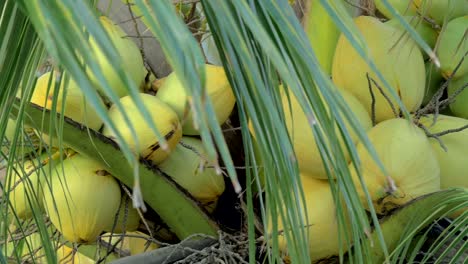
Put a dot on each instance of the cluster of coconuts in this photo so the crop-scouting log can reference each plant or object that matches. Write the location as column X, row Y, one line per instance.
column 82, row 199
column 415, row 162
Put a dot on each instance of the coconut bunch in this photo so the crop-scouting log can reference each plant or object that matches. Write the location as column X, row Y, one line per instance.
column 63, row 185
column 420, row 155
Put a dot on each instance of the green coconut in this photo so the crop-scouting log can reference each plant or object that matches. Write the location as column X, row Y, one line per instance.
column 460, row 106
column 217, row 87
column 399, row 61
column 146, row 142
column 453, row 161
column 81, row 199
column 423, row 28
column 441, row 10
column 404, row 7
column 187, row 165
column 408, row 158
column 453, row 44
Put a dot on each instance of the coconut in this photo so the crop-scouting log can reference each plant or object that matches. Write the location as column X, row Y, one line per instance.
column 453, row 44
column 126, row 218
column 75, row 107
column 81, row 199
column 27, row 182
column 407, row 155
column 132, row 242
column 27, row 142
column 322, row 223
column 164, row 118
column 217, row 88
column 130, row 58
column 404, row 7
column 460, row 106
column 441, row 10
column 453, row 161
column 66, row 254
column 423, row 28
column 398, row 60
column 187, row 165
column 305, row 147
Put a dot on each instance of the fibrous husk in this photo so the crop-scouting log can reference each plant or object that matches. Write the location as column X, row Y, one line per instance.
column 189, row 167
column 217, row 87
column 146, row 143
column 81, row 198
column 408, row 158
column 453, row 44
column 399, row 61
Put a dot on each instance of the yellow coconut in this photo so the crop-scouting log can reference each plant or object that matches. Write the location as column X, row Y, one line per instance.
column 217, row 87
column 130, row 58
column 453, row 162
column 407, row 155
column 453, row 44
column 305, row 147
column 26, row 143
column 26, row 185
column 75, row 107
column 132, row 242
column 66, row 254
column 187, row 166
column 398, row 60
column 441, row 10
column 126, row 218
column 322, row 223
column 404, row 7
column 460, row 106
column 33, row 249
column 81, row 199
column 146, row 142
